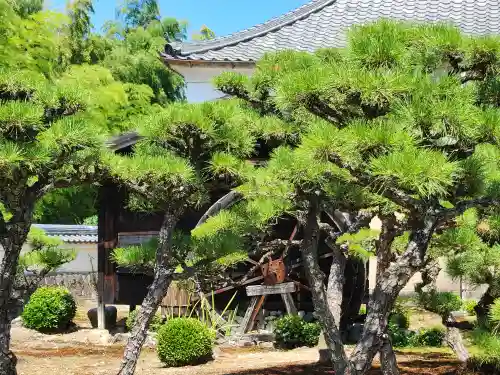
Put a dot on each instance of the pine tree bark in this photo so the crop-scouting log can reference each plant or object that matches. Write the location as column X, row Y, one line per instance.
column 392, row 276
column 482, row 308
column 13, row 235
column 453, row 337
column 316, row 280
column 335, row 286
column 164, row 270
column 388, row 361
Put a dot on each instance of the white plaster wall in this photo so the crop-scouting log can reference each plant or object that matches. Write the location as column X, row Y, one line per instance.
column 199, row 86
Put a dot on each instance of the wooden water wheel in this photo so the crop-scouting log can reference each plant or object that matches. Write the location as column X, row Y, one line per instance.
column 282, row 264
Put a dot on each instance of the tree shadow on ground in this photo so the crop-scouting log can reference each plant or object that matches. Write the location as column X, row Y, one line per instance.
column 407, row 367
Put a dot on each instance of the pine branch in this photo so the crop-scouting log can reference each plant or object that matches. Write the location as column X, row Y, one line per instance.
column 463, row 206
column 364, row 179
column 322, row 110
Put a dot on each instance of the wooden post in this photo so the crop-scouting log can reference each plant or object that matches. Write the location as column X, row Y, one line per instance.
column 248, row 314
column 289, row 304
column 101, row 258
column 106, row 242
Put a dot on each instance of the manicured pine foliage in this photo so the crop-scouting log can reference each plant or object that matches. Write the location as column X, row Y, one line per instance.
column 403, row 120
column 472, row 252
column 187, row 152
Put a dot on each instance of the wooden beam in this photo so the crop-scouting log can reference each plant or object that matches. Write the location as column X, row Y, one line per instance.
column 289, row 304
column 225, row 289
column 248, row 314
column 264, row 290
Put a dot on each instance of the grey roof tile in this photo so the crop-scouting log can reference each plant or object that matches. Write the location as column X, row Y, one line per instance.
column 71, row 233
column 322, row 23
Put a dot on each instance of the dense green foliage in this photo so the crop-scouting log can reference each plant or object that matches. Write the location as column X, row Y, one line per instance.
column 291, row 331
column 472, row 247
column 401, row 338
column 428, row 337
column 469, row 305
column 121, row 67
column 154, row 326
column 49, row 309
column 184, row 341
column 441, row 303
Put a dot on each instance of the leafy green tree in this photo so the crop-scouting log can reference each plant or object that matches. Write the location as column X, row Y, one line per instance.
column 80, row 26
column 129, row 54
column 205, row 33
column 139, row 13
column 376, row 112
column 27, row 7
column 53, row 133
column 67, row 206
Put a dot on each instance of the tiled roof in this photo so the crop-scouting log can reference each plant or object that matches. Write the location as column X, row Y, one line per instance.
column 71, row 233
column 323, row 23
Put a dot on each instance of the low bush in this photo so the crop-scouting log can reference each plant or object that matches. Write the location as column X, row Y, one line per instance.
column 400, row 319
column 400, row 337
column 292, row 332
column 184, row 341
column 310, row 333
column 441, row 303
column 49, row 309
column 469, row 306
column 400, row 315
column 427, row 337
column 154, row 326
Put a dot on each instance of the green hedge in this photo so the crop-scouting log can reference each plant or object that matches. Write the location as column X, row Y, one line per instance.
column 292, row 331
column 184, row 341
column 49, row 309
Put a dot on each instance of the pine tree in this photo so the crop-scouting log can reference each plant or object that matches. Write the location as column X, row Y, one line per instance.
column 188, row 152
column 408, row 115
column 53, row 132
column 472, row 252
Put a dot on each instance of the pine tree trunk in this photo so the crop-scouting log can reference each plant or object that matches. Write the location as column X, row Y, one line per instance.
column 149, row 307
column 453, row 338
column 483, row 307
column 164, row 271
column 388, row 361
column 316, row 280
column 12, row 238
column 335, row 286
column 392, row 276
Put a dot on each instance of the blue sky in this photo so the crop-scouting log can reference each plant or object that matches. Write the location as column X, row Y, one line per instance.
column 222, row 16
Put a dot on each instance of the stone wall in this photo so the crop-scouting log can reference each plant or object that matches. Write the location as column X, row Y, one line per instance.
column 81, row 285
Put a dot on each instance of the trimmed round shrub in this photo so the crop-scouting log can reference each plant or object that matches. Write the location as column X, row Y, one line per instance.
column 49, row 309
column 292, row 332
column 310, row 334
column 154, row 326
column 184, row 341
